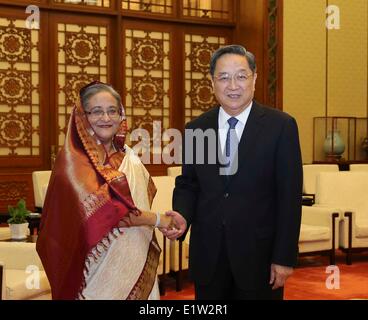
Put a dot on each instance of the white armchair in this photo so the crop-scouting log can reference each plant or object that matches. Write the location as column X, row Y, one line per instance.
column 174, row 171
column 40, row 181
column 310, row 173
column 358, row 167
column 5, row 233
column 22, row 276
column 347, row 191
column 162, row 203
column 318, row 231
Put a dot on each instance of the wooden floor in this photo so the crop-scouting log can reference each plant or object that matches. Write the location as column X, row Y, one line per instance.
column 308, row 281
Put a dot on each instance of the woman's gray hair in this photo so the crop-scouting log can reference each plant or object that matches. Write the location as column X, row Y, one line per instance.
column 90, row 91
column 233, row 49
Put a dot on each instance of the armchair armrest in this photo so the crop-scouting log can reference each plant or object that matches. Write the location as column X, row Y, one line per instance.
column 308, row 199
column 19, row 255
column 319, row 216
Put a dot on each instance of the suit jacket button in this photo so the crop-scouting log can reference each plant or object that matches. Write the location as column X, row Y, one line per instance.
column 226, row 195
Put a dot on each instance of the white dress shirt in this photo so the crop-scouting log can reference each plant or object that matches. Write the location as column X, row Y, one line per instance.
column 224, row 125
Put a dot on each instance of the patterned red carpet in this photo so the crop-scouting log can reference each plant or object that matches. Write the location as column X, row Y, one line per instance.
column 310, row 281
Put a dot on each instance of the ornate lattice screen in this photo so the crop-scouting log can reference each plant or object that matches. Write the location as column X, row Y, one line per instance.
column 207, row 9
column 198, row 87
column 147, row 78
column 149, row 6
column 82, row 58
column 19, row 89
column 91, row 3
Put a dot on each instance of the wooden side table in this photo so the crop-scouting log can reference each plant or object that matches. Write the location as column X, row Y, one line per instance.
column 31, row 238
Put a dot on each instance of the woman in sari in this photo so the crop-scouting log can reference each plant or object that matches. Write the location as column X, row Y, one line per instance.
column 96, row 238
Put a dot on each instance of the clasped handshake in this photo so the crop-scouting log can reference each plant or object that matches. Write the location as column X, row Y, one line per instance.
column 172, row 224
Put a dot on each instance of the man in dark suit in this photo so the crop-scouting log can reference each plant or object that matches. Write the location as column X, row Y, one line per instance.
column 245, row 208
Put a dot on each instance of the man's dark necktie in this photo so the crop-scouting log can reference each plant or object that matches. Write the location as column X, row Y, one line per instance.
column 232, row 143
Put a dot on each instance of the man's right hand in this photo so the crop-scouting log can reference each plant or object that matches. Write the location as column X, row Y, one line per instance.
column 180, row 225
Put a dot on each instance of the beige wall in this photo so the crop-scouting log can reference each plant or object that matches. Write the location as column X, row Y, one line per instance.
column 308, row 47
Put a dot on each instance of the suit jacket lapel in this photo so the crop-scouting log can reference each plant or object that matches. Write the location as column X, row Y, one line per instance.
column 212, row 123
column 249, row 136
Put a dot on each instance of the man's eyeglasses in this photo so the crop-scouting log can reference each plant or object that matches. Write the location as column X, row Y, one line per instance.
column 239, row 77
column 96, row 114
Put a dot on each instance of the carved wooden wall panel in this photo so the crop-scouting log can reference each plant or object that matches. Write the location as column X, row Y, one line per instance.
column 149, row 6
column 89, row 3
column 147, row 78
column 82, row 57
column 208, row 9
column 19, row 89
column 265, row 20
column 25, row 2
column 14, row 187
column 199, row 96
column 273, row 55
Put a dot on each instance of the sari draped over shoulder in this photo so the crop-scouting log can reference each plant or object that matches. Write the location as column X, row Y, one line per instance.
column 84, row 252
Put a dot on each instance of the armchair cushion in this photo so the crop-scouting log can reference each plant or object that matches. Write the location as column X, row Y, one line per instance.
column 361, row 230
column 40, row 181
column 310, row 173
column 19, row 255
column 313, row 233
column 22, row 266
column 343, row 189
column 316, row 232
column 358, row 167
column 16, row 285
